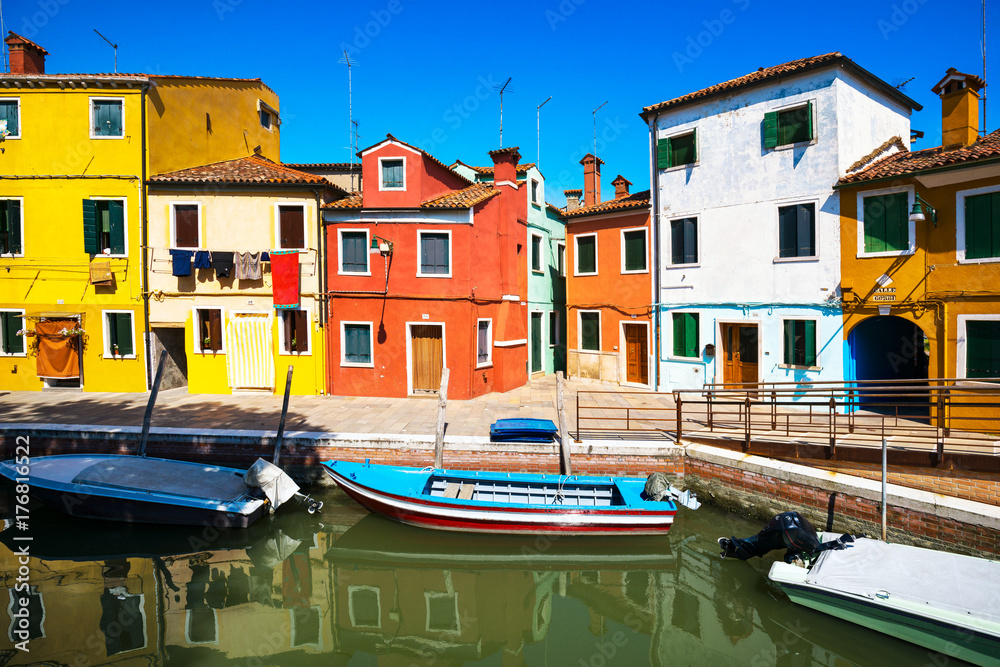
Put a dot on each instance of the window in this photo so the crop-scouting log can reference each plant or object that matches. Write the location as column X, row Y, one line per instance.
column 10, row 111
column 106, row 118
column 534, row 192
column 354, row 251
column 118, row 334
column 536, row 253
column 307, row 623
column 295, row 333
column 553, row 328
column 268, row 115
column 292, row 227
column 800, row 343
column 790, row 126
column 561, row 258
column 208, row 330
column 684, row 241
column 886, row 223
column 982, row 348
column 393, row 174
column 186, row 225
column 11, row 227
column 797, row 230
column 484, row 343
column 265, row 119
column 442, row 612
column 586, row 255
column 104, row 226
column 11, row 322
column 364, row 606
column 356, row 343
column 685, row 334
column 982, row 226
column 677, row 151
column 590, row 330
column 435, row 254
column 634, row 251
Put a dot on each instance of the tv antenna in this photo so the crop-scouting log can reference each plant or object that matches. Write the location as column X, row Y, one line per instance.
column 538, row 151
column 113, row 46
column 353, row 137
column 984, row 68
column 501, row 89
column 595, row 127
column 901, row 85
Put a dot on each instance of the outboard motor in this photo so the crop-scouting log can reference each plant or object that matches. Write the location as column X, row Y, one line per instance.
column 788, row 530
column 658, row 487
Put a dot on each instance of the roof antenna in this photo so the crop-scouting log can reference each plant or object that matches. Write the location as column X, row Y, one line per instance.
column 114, row 46
column 354, row 136
column 538, row 151
column 501, row 89
column 595, row 128
column 3, row 49
column 984, row 68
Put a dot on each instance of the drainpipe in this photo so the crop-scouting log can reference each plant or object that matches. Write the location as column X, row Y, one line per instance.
column 144, row 278
column 654, row 221
column 321, row 261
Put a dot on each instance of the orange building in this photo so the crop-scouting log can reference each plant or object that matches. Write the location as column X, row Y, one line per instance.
column 608, row 283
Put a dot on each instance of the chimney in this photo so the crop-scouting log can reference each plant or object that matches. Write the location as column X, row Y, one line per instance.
column 572, row 199
column 591, row 179
column 26, row 57
column 959, row 94
column 621, row 186
column 505, row 165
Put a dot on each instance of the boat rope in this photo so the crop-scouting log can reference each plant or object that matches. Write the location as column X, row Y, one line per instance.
column 557, row 500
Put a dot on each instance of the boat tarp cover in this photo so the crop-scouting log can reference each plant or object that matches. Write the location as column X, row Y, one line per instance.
column 272, row 480
column 163, row 476
column 957, row 583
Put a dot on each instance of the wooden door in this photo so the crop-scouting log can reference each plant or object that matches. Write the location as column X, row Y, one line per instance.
column 636, row 354
column 427, row 357
column 739, row 353
column 536, row 342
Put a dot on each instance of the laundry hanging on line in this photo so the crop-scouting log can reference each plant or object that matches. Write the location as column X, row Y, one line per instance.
column 202, row 259
column 222, row 262
column 181, row 262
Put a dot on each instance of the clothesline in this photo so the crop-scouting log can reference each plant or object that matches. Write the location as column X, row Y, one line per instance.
column 247, row 263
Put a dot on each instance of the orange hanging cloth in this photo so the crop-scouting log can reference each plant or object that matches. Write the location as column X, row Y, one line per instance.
column 58, row 354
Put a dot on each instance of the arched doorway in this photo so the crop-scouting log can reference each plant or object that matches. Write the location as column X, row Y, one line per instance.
column 890, row 348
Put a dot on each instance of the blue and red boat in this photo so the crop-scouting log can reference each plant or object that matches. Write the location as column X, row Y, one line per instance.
column 513, row 503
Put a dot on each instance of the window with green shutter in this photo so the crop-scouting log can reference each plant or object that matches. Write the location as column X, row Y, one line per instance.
column 586, row 254
column 684, row 241
column 104, row 226
column 392, row 174
column 685, row 334
column 11, row 321
column 357, row 343
column 635, row 249
column 10, row 111
column 434, row 255
column 119, row 334
column 107, row 118
column 800, row 343
column 353, row 252
column 789, row 126
column 982, row 226
column 536, row 252
column 677, row 151
column 797, row 230
column 590, row 331
column 982, row 349
column 10, row 227
column 886, row 223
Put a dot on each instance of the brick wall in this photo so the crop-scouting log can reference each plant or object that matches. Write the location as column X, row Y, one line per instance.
column 977, row 486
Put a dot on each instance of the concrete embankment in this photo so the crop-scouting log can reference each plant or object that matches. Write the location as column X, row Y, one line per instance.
column 741, row 483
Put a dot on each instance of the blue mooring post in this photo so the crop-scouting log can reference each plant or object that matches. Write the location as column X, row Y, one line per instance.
column 149, row 404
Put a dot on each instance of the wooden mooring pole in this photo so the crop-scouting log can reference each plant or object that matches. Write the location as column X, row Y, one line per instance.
column 284, row 413
column 439, row 429
column 885, row 474
column 564, row 445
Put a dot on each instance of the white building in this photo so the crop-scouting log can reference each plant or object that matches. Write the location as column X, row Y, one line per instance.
column 746, row 220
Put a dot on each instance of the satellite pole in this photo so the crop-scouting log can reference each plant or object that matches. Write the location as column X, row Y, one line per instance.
column 113, row 46
column 595, row 128
column 538, row 152
column 502, row 88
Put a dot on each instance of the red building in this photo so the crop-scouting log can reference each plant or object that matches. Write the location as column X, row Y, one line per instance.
column 426, row 270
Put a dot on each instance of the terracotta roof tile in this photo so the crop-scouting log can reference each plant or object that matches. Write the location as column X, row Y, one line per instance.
column 767, row 74
column 912, row 162
column 639, row 200
column 356, row 166
column 464, row 198
column 521, row 168
column 389, row 137
column 353, row 201
column 252, row 170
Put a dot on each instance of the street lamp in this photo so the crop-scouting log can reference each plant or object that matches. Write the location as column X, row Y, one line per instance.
column 917, row 212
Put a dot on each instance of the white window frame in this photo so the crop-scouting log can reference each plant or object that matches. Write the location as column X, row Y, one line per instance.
column 125, row 225
column 24, row 337
column 961, row 344
column 343, row 345
column 576, row 255
column 535, row 185
column 960, row 198
column 531, row 247
column 579, row 331
column 120, row 100
column 274, row 118
column 489, row 337
column 21, row 222
column 187, row 629
column 554, row 328
column 815, row 125
column 781, row 333
column 350, row 605
column 20, row 122
column 451, row 249
column 107, row 335
column 668, row 240
column 281, row 332
column 340, row 252
column 697, row 148
column 381, row 186
column 195, row 328
column 911, row 226
column 305, row 223
column 427, row 615
column 561, row 257
column 778, row 259
column 645, row 231
column 173, row 223
column 293, row 625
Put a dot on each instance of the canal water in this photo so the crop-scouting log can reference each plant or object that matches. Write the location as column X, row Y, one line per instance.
column 346, row 588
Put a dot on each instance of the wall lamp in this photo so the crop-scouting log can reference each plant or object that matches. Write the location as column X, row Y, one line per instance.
column 381, row 245
column 917, row 212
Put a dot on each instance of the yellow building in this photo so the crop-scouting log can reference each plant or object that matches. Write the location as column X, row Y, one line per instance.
column 920, row 248
column 218, row 321
column 77, row 151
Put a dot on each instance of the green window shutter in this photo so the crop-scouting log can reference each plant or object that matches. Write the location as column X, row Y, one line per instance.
column 14, row 226
column 809, row 121
column 789, row 353
column 982, row 341
column 116, row 211
column 690, row 335
column 982, row 233
column 10, row 323
column 809, row 337
column 586, row 248
column 123, row 333
column 897, row 235
column 90, row 227
column 678, row 334
column 589, row 335
column 8, row 112
column 771, row 129
column 874, row 212
column 663, row 154
column 115, row 112
column 694, row 145
column 635, row 251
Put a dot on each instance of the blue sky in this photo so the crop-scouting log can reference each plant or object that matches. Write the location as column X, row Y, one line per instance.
column 426, row 71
